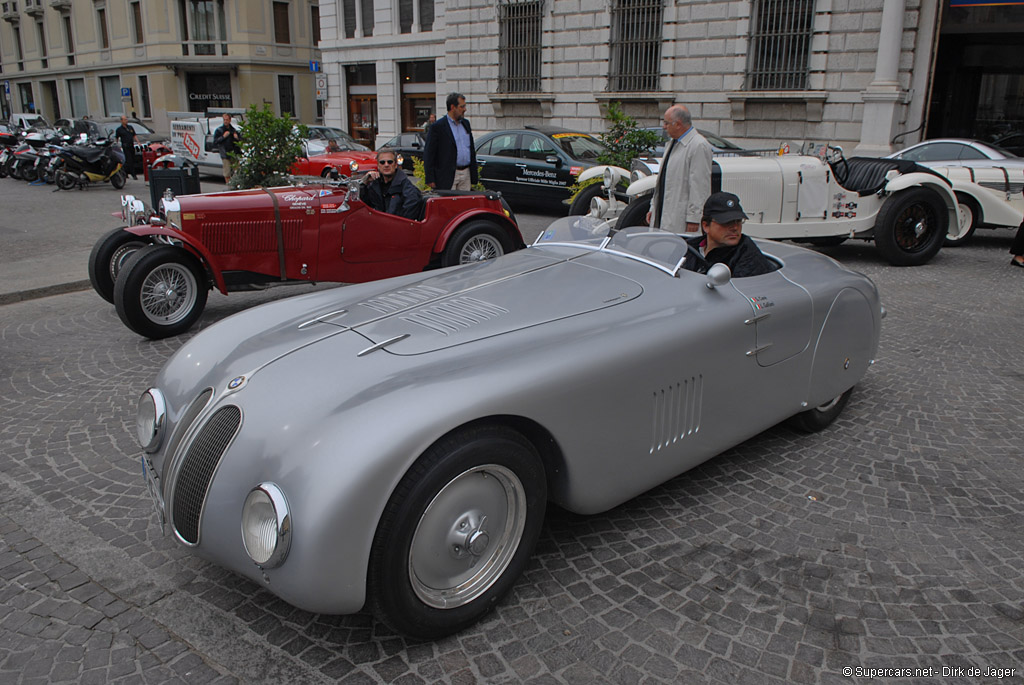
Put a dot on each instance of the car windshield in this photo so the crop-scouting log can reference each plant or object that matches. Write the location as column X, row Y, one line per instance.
column 579, row 145
column 660, row 249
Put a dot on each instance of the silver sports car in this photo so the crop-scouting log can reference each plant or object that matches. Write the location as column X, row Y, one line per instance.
column 396, row 442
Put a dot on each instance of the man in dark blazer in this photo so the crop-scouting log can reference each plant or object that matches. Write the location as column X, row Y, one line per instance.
column 449, row 157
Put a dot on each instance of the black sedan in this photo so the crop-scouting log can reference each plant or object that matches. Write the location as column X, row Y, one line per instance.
column 536, row 164
column 409, row 145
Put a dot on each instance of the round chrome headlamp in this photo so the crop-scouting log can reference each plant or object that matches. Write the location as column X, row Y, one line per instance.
column 598, row 207
column 611, row 178
column 149, row 419
column 266, row 526
column 353, row 166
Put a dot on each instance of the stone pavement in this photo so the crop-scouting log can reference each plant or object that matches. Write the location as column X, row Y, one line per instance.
column 894, row 539
column 46, row 234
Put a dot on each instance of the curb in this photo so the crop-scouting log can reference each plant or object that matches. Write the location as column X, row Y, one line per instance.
column 45, row 291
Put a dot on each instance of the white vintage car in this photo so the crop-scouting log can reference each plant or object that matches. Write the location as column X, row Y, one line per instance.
column 907, row 209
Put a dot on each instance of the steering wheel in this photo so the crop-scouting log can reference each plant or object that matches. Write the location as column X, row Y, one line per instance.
column 835, row 158
column 646, row 252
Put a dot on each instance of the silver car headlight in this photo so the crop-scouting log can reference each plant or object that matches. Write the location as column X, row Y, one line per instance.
column 266, row 526
column 611, row 178
column 353, row 166
column 150, row 418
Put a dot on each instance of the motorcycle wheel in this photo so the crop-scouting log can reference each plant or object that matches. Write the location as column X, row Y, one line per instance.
column 119, row 178
column 28, row 172
column 64, row 180
column 4, row 170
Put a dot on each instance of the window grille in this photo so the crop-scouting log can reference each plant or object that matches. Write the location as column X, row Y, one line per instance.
column 780, row 44
column 635, row 45
column 519, row 44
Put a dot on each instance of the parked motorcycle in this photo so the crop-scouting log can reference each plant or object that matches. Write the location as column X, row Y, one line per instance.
column 83, row 164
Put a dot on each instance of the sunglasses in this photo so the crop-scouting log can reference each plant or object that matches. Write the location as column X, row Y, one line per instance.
column 386, row 161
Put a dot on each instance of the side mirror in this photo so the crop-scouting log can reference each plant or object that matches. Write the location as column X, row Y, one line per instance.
column 416, row 144
column 718, row 275
column 553, row 159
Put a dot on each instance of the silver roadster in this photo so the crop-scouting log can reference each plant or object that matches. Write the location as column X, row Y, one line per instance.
column 395, row 443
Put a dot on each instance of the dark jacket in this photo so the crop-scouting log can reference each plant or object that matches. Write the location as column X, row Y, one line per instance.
column 400, row 197
column 439, row 154
column 744, row 259
column 224, row 143
column 126, row 136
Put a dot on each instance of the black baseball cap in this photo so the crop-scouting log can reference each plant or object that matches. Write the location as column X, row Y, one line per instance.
column 723, row 208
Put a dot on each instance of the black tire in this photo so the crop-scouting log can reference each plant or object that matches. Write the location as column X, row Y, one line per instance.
column 15, row 170
column 160, row 291
column 820, row 418
column 476, row 241
column 581, row 203
column 64, row 179
column 109, row 254
column 27, row 172
column 635, row 213
column 489, row 482
column 911, row 226
column 119, row 178
column 969, row 216
column 5, row 169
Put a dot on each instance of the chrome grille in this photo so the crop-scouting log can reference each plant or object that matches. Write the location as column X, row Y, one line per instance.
column 181, row 429
column 250, row 235
column 196, row 471
column 388, row 303
column 677, row 410
column 453, row 315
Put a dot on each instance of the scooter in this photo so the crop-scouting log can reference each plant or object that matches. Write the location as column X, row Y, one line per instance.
column 81, row 165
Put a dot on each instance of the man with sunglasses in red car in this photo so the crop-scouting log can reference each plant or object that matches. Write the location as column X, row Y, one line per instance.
column 388, row 189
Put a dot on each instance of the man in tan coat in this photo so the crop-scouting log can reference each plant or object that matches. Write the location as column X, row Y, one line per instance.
column 684, row 181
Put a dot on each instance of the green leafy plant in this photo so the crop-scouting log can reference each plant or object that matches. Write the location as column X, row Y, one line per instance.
column 625, row 139
column 270, row 145
column 419, row 175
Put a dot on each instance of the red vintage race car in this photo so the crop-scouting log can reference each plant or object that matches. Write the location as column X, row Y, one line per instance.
column 158, row 270
column 317, row 161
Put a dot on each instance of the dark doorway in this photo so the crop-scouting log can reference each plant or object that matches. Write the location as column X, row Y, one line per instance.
column 978, row 89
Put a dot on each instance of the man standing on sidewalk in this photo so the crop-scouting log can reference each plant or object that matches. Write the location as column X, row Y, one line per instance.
column 125, row 134
column 684, row 181
column 449, row 157
column 225, row 140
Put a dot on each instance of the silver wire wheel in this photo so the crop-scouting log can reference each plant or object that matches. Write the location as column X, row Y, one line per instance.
column 479, row 248
column 168, row 294
column 467, row 536
column 160, row 291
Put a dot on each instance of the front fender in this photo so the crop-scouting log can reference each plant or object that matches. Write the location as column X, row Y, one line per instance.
column 642, row 186
column 925, row 180
column 201, row 253
column 995, row 209
column 598, row 172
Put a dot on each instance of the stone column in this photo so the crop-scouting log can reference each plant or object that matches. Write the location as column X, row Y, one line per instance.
column 883, row 97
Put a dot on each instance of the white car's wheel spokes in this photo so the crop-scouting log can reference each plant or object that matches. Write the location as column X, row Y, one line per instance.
column 467, row 537
column 480, row 248
column 168, row 294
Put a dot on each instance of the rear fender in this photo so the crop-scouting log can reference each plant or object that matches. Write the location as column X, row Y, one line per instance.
column 501, row 220
column 642, row 186
column 197, row 250
column 938, row 184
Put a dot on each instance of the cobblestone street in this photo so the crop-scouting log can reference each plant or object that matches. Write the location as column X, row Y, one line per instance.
column 893, row 539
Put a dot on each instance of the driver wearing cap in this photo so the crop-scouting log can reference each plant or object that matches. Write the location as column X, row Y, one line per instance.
column 722, row 241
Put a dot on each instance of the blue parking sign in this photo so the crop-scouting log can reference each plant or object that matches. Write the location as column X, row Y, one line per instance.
column 126, row 92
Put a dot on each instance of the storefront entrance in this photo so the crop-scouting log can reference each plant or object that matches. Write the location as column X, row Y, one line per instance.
column 978, row 89
column 362, row 103
column 208, row 89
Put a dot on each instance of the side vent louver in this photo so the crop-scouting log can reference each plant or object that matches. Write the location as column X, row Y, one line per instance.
column 456, row 314
column 676, row 412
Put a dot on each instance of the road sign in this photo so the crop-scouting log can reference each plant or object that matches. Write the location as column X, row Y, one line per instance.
column 314, row 65
column 321, row 83
column 126, row 92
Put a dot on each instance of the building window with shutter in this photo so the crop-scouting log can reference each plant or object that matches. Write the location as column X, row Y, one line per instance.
column 780, row 44
column 519, row 46
column 635, row 64
column 282, row 31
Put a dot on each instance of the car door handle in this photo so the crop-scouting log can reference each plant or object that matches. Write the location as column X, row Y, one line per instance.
column 520, row 165
column 759, row 348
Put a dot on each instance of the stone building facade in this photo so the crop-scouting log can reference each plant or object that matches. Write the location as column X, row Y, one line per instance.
column 67, row 59
column 862, row 77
